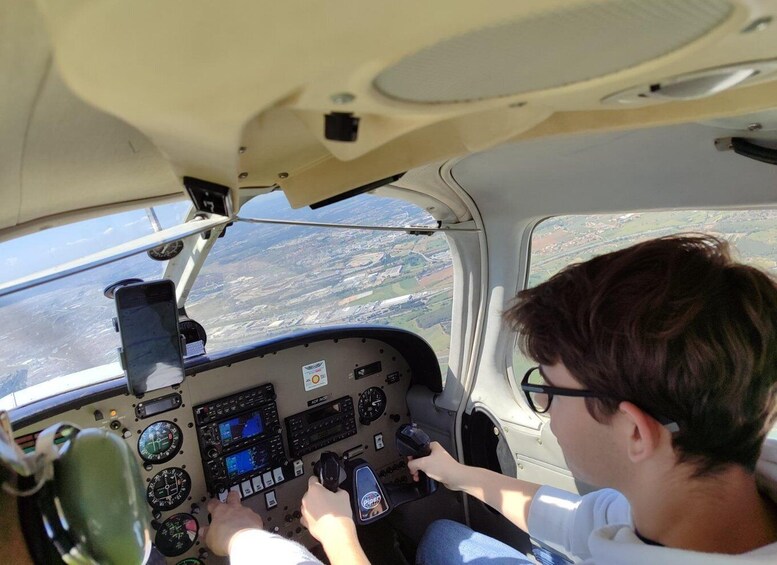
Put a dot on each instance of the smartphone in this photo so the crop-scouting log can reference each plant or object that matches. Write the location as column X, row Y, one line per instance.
column 152, row 352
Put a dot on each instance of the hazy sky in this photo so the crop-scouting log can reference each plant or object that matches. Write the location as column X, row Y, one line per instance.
column 48, row 248
column 55, row 246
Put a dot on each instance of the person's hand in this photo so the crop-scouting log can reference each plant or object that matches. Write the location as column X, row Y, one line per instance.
column 226, row 521
column 327, row 514
column 438, row 465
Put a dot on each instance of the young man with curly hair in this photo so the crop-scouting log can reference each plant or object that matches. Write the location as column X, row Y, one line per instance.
column 658, row 371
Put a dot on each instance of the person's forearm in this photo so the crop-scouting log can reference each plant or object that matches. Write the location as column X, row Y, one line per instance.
column 511, row 497
column 246, row 545
column 343, row 548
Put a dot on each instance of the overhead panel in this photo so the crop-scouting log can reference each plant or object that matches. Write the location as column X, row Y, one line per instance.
column 535, row 53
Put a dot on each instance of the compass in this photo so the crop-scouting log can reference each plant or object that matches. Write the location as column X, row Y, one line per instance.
column 166, row 251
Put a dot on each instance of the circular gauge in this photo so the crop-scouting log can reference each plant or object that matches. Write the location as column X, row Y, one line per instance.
column 190, row 561
column 192, row 331
column 166, row 251
column 168, row 488
column 160, row 442
column 372, row 404
column 176, row 534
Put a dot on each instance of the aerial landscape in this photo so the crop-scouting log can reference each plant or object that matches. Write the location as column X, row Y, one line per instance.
column 259, row 281
column 263, row 280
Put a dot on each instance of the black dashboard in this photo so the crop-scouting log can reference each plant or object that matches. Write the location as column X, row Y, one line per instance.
column 255, row 421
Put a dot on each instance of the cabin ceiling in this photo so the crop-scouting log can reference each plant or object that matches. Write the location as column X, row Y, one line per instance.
column 109, row 103
column 668, row 167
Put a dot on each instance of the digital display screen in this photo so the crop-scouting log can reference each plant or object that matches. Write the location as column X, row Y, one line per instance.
column 148, row 323
column 246, row 461
column 333, row 431
column 322, row 413
column 241, row 427
column 161, row 405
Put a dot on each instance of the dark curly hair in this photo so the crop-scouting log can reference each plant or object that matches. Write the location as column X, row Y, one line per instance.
column 675, row 326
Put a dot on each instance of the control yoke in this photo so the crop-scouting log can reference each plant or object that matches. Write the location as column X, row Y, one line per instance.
column 329, row 470
column 371, row 500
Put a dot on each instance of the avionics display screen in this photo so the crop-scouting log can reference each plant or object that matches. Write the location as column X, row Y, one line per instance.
column 241, row 427
column 330, row 432
column 318, row 414
column 247, row 461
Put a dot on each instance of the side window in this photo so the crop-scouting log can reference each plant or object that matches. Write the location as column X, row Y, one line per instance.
column 265, row 280
column 561, row 241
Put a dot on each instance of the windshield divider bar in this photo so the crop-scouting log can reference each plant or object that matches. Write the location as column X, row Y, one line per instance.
column 412, row 230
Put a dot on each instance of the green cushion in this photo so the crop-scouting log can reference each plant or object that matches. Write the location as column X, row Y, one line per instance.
column 99, row 486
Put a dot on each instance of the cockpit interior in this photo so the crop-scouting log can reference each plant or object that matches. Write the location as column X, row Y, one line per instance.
column 347, row 196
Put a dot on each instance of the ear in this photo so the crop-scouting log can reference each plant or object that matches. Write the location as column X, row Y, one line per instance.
column 642, row 432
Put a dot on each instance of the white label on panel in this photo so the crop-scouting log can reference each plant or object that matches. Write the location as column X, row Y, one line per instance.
column 314, row 375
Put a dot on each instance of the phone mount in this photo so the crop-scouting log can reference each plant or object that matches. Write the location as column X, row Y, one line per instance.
column 110, row 290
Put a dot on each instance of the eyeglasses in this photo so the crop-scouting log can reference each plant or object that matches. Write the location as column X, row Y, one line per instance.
column 539, row 396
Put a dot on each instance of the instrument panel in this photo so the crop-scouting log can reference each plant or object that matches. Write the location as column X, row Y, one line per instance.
column 256, row 425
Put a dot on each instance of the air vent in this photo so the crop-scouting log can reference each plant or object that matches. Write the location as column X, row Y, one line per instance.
column 551, row 49
column 691, row 86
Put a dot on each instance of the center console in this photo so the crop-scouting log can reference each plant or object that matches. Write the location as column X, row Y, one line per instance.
column 241, row 443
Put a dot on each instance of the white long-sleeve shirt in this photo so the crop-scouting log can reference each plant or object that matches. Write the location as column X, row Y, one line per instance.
column 598, row 529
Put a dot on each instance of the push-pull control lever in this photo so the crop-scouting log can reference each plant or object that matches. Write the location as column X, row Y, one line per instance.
column 329, row 470
column 413, row 442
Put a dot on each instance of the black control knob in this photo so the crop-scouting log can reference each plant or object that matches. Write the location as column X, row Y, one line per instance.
column 329, row 470
column 413, row 442
column 212, row 453
column 297, row 514
column 155, row 524
column 395, row 417
column 288, row 518
column 195, row 509
column 156, row 514
column 115, row 424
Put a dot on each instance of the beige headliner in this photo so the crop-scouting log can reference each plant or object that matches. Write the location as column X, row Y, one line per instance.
column 167, row 89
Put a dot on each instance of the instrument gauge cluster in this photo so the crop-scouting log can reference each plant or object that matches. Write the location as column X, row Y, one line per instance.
column 176, row 534
column 168, row 488
column 372, row 405
column 160, row 442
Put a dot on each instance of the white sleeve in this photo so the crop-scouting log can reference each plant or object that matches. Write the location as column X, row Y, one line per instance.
column 249, row 547
column 565, row 521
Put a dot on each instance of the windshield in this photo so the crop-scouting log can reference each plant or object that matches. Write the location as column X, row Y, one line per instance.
column 258, row 281
column 263, row 280
column 64, row 327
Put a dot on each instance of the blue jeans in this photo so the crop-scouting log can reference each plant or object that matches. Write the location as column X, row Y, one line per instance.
column 446, row 542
